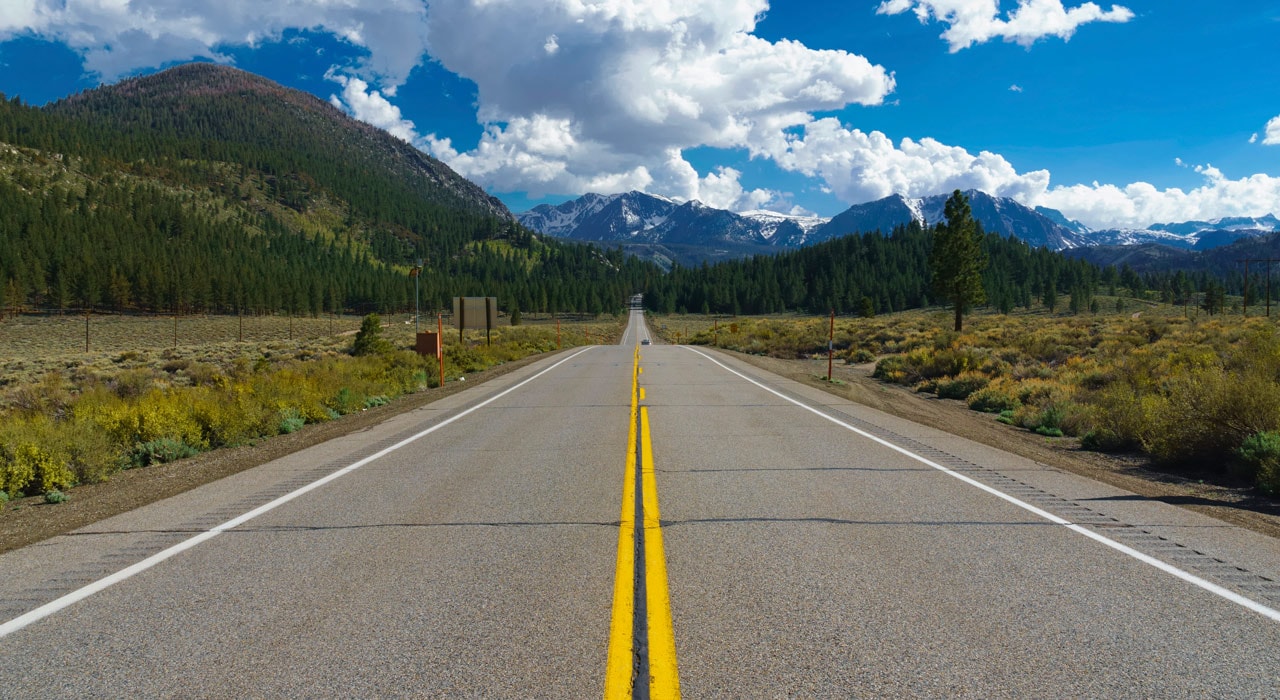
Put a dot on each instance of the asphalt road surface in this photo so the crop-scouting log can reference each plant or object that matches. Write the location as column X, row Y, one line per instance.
column 806, row 547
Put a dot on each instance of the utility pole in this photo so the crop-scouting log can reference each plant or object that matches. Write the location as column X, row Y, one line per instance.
column 1246, row 287
column 1246, row 262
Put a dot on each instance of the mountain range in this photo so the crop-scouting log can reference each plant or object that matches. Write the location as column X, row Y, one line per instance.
column 637, row 220
column 1222, row 261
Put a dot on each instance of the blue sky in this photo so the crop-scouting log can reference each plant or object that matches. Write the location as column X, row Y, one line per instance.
column 1119, row 114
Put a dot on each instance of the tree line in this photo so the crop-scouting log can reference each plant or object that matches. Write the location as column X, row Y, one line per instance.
column 865, row 273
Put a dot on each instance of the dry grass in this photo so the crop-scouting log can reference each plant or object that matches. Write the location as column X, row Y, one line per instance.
column 34, row 346
column 75, row 417
column 1187, row 391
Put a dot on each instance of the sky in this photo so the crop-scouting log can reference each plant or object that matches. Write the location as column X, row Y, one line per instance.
column 1118, row 115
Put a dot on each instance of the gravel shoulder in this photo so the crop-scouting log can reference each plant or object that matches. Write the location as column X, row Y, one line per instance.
column 29, row 520
column 1238, row 506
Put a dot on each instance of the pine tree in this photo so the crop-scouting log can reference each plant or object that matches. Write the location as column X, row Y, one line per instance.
column 1214, row 298
column 369, row 340
column 958, row 259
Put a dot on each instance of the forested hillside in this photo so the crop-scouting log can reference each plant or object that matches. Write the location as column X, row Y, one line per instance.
column 204, row 188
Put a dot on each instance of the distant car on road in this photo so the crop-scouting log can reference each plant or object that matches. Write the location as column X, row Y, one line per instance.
column 645, row 341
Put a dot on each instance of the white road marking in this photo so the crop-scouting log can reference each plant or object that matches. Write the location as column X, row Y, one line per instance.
column 80, row 594
column 1209, row 586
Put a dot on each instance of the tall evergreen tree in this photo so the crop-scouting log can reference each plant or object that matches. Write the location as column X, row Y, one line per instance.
column 957, row 259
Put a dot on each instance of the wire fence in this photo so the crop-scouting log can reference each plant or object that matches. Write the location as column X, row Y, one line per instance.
column 40, row 332
column 37, row 333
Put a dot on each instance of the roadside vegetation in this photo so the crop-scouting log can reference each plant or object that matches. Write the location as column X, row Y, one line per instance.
column 67, row 419
column 1195, row 394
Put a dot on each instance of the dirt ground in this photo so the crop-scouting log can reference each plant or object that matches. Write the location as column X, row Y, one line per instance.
column 29, row 520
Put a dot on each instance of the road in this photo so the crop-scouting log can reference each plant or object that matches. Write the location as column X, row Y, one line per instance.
column 806, row 547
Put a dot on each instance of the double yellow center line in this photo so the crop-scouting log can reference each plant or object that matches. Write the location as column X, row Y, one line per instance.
column 641, row 640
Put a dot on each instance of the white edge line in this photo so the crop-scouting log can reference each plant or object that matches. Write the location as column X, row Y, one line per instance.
column 80, row 594
column 1209, row 586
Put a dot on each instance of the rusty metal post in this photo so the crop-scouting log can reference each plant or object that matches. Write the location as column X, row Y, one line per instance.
column 831, row 343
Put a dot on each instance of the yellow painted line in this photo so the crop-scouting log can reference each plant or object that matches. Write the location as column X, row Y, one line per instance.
column 618, row 671
column 664, row 674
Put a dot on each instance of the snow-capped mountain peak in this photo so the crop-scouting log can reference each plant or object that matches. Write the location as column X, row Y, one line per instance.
column 596, row 217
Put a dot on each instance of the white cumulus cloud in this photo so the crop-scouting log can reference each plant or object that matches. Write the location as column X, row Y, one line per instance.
column 369, row 105
column 117, row 37
column 587, row 95
column 1141, row 204
column 972, row 22
column 860, row 167
column 1271, row 134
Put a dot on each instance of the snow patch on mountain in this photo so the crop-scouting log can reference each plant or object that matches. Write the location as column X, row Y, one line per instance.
column 916, row 206
column 640, row 217
column 770, row 222
column 1226, row 223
